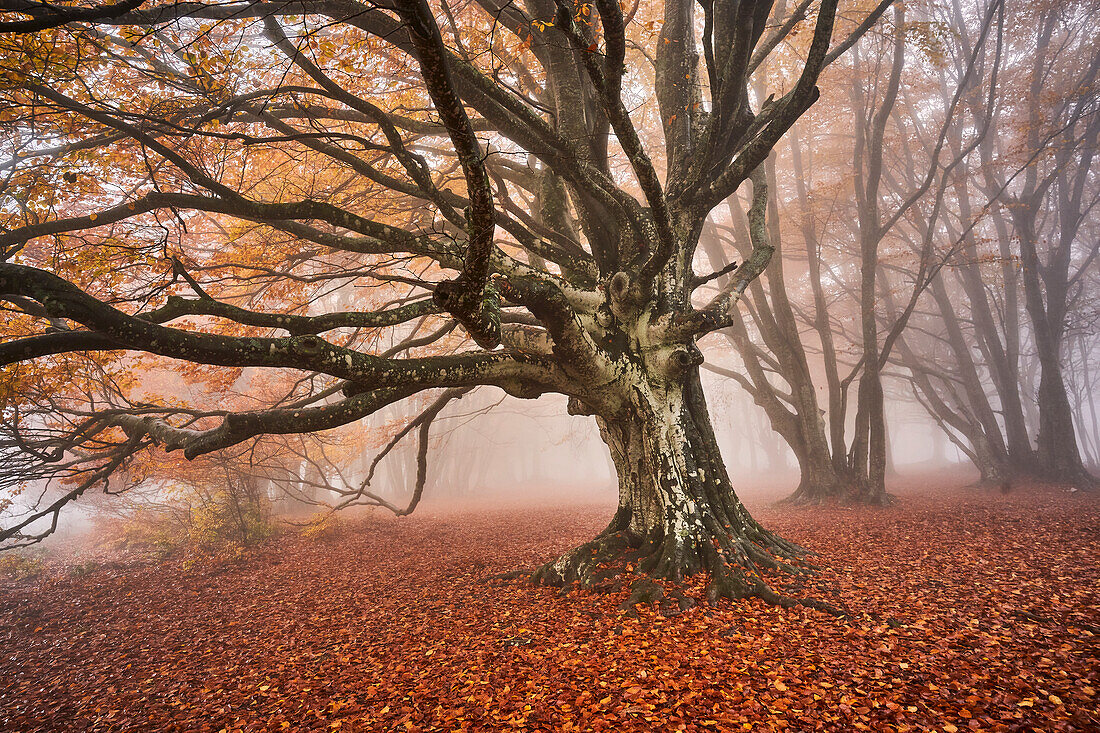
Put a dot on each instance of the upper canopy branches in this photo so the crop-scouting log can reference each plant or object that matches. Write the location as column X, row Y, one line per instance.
column 543, row 91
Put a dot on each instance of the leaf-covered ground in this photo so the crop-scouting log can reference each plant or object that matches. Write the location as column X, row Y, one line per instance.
column 971, row 611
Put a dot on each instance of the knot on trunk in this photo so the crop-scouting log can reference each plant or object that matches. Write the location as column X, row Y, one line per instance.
column 309, row 345
column 681, row 360
column 524, row 389
column 626, row 294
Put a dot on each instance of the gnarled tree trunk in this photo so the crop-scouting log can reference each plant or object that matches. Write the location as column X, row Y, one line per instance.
column 678, row 514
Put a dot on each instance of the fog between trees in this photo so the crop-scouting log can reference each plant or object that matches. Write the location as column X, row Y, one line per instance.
column 448, row 252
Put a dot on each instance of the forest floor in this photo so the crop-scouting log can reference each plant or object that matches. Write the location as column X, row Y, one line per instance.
column 970, row 610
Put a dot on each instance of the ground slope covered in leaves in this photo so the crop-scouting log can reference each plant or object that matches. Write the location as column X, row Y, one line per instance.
column 970, row 611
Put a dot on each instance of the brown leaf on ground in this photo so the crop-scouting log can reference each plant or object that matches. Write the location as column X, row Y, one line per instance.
column 973, row 613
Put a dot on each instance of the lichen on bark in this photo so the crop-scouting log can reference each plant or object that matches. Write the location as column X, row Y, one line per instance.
column 677, row 515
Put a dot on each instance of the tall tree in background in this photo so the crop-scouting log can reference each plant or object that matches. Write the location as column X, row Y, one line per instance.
column 1060, row 189
column 192, row 178
column 1017, row 263
column 912, row 263
column 856, row 207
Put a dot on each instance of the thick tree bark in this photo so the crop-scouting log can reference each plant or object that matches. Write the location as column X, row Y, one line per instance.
column 678, row 514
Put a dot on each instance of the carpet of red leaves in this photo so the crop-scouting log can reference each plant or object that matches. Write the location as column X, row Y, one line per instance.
column 970, row 611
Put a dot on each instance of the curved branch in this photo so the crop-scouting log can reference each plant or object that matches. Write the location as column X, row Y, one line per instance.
column 310, row 353
column 178, row 307
column 51, row 16
column 423, row 423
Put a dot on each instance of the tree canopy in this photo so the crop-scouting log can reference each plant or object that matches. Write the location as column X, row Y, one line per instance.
column 374, row 200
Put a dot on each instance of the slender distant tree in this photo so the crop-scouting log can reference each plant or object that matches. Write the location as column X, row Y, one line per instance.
column 182, row 172
column 880, row 196
column 1058, row 193
column 1018, row 253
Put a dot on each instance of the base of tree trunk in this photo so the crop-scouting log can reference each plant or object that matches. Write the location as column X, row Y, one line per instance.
column 678, row 516
column 815, row 489
column 748, row 563
column 1077, row 478
column 844, row 500
column 1008, row 481
column 828, row 494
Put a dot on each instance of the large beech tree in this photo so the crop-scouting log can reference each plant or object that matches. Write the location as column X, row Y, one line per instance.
column 490, row 155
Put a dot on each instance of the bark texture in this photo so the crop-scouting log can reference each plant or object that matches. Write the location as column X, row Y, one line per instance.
column 678, row 514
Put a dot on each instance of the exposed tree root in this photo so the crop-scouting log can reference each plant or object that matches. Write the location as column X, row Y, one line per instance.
column 812, row 497
column 815, row 494
column 736, row 566
column 809, row 500
column 879, row 500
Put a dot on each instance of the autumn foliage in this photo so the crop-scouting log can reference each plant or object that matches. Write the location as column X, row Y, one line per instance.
column 248, row 248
